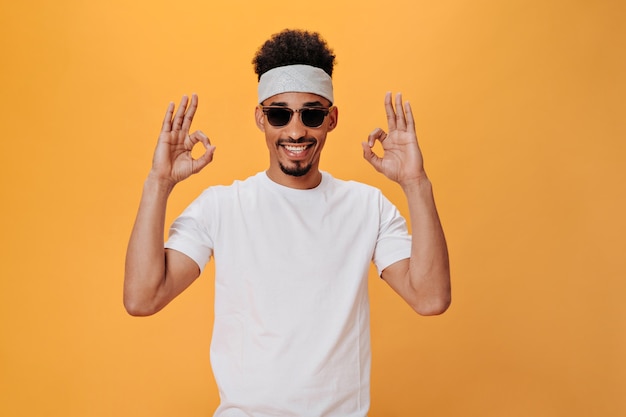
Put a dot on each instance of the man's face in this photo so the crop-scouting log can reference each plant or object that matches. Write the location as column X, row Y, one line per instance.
column 295, row 148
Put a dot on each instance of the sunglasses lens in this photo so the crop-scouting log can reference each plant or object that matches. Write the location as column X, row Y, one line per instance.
column 278, row 117
column 312, row 117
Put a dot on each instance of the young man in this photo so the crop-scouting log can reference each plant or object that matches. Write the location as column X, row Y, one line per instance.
column 291, row 245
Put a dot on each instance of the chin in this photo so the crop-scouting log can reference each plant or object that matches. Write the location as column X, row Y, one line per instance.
column 295, row 171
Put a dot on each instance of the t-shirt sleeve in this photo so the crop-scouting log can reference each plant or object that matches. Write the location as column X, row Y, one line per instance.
column 394, row 242
column 190, row 232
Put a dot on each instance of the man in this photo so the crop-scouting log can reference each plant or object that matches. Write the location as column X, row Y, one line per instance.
column 291, row 245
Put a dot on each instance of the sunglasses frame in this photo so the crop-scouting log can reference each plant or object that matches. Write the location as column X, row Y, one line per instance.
column 325, row 110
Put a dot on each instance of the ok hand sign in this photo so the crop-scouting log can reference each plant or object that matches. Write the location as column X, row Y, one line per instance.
column 402, row 160
column 172, row 160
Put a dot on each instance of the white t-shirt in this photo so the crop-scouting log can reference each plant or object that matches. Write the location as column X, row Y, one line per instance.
column 291, row 334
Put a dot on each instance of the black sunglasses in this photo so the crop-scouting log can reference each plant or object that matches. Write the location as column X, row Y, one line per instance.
column 279, row 116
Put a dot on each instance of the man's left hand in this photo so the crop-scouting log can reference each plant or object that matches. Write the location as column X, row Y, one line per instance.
column 402, row 159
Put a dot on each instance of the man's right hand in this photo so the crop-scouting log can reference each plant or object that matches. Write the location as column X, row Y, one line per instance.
column 172, row 160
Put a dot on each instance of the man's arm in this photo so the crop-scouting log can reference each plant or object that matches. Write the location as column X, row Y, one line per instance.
column 153, row 275
column 423, row 280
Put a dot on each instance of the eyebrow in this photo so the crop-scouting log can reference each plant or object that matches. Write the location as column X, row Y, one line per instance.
column 307, row 104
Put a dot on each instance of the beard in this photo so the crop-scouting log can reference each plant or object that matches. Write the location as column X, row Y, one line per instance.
column 297, row 170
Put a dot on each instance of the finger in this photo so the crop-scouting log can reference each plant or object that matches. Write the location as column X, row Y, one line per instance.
column 410, row 120
column 371, row 157
column 391, row 114
column 190, row 112
column 177, row 123
column 207, row 156
column 167, row 120
column 199, row 136
column 377, row 135
column 400, row 119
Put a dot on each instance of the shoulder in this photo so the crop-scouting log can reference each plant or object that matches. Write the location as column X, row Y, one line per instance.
column 355, row 191
column 350, row 185
column 217, row 198
column 237, row 186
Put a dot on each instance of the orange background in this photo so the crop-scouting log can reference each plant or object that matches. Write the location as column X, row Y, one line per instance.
column 520, row 110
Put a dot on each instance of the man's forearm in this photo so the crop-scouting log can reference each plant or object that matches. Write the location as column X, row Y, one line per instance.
column 145, row 260
column 429, row 269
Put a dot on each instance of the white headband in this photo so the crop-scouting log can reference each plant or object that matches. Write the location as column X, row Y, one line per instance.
column 295, row 78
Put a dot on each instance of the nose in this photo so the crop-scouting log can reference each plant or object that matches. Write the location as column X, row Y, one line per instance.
column 295, row 128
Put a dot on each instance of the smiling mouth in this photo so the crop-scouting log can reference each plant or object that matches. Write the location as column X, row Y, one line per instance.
column 296, row 149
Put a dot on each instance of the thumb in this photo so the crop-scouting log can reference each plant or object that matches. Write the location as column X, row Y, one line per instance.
column 371, row 157
column 204, row 159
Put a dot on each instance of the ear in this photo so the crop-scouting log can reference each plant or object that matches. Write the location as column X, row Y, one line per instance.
column 259, row 118
column 333, row 118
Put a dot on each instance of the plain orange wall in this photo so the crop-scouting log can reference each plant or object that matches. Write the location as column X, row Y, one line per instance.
column 520, row 110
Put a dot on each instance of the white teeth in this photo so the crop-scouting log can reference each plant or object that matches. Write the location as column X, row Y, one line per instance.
column 295, row 149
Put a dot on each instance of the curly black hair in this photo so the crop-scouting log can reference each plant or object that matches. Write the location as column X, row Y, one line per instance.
column 291, row 47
